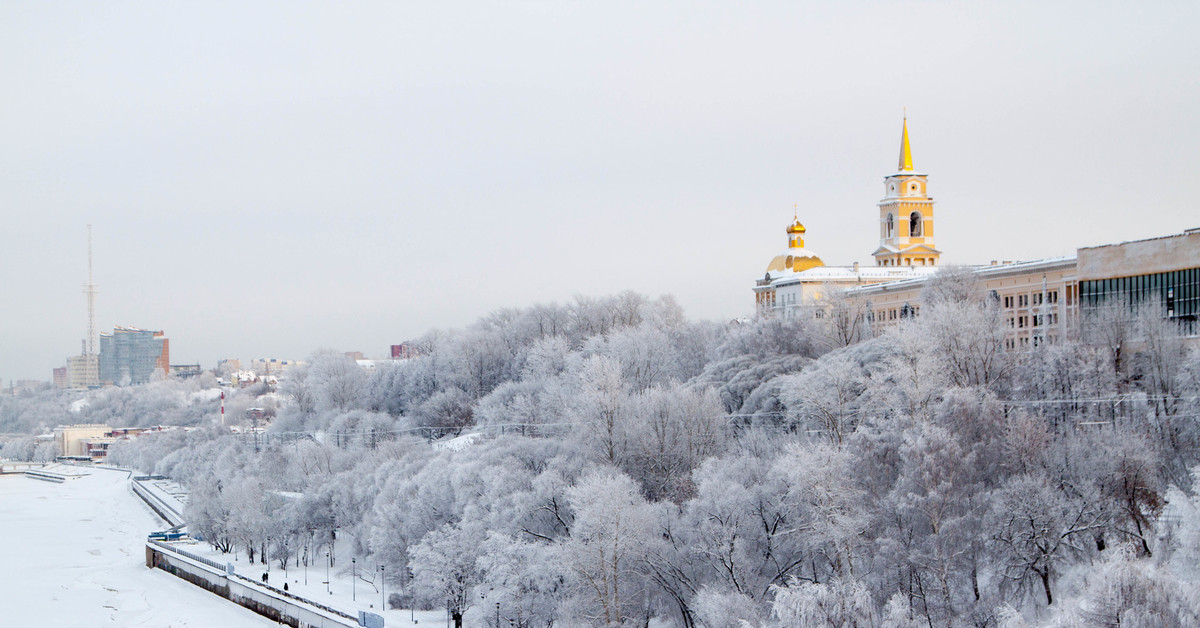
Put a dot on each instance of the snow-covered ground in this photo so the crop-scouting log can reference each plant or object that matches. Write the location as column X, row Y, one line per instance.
column 74, row 556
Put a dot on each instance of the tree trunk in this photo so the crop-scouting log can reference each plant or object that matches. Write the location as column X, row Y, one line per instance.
column 1045, row 575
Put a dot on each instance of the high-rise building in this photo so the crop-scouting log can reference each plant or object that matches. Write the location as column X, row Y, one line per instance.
column 132, row 356
column 82, row 371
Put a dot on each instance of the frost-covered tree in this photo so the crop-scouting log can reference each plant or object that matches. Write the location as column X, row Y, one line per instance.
column 524, row 577
column 840, row 603
column 829, row 397
column 444, row 567
column 610, row 538
column 1037, row 530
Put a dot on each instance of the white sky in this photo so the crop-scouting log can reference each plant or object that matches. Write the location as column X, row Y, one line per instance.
column 270, row 179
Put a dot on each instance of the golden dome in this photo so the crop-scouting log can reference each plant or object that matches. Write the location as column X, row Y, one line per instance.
column 796, row 261
column 796, row 258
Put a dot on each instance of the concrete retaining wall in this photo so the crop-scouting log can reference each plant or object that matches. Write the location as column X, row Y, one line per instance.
column 243, row 591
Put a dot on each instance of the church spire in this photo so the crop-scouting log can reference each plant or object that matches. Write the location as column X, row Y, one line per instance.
column 906, row 164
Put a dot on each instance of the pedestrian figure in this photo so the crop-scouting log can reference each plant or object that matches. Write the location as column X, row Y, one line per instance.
column 264, row 576
column 285, row 586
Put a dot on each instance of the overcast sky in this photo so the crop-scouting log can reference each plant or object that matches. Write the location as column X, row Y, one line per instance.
column 267, row 179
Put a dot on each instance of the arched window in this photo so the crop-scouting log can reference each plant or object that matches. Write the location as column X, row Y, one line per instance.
column 889, row 228
column 914, row 224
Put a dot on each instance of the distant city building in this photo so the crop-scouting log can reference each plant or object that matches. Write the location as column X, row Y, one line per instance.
column 273, row 366
column 185, row 371
column 92, row 440
column 404, row 351
column 83, row 371
column 130, row 356
column 22, row 386
column 60, row 377
column 229, row 365
column 355, row 355
column 72, row 439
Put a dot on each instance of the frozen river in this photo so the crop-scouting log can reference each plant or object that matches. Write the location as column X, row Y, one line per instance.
column 73, row 556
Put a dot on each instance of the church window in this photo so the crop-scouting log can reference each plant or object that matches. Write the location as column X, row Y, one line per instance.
column 914, row 224
column 890, row 226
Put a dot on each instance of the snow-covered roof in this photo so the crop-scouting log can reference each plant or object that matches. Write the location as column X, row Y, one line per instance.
column 847, row 274
column 981, row 271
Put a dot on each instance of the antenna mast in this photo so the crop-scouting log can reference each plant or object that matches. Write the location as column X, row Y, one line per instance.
column 90, row 290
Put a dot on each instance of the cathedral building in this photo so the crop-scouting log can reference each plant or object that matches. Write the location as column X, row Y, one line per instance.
column 798, row 277
column 1040, row 301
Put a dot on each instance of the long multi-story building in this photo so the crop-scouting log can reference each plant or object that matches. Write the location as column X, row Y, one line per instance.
column 133, row 356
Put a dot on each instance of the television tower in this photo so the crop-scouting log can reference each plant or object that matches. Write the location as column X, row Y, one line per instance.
column 91, row 357
column 89, row 346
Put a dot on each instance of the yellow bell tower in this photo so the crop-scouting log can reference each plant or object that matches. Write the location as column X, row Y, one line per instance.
column 906, row 215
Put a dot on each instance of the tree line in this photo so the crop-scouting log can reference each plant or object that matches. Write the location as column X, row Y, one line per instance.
column 610, row 462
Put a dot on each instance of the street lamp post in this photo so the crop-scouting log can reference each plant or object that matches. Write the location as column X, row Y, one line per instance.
column 307, row 555
column 382, row 589
column 328, row 560
column 353, row 577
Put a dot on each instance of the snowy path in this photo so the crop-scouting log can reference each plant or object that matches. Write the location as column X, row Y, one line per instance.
column 74, row 556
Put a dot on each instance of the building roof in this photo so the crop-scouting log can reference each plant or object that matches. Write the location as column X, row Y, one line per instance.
column 984, row 272
column 850, row 274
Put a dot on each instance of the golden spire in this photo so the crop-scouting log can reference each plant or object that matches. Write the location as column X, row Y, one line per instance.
column 905, row 151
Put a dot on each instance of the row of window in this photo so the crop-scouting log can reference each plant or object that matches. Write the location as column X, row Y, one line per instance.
column 1036, row 298
column 1178, row 291
column 896, row 313
column 1034, row 320
column 911, row 261
column 1025, row 342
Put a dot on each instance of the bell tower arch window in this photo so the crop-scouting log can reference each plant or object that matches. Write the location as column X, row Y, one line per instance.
column 914, row 224
column 889, row 228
